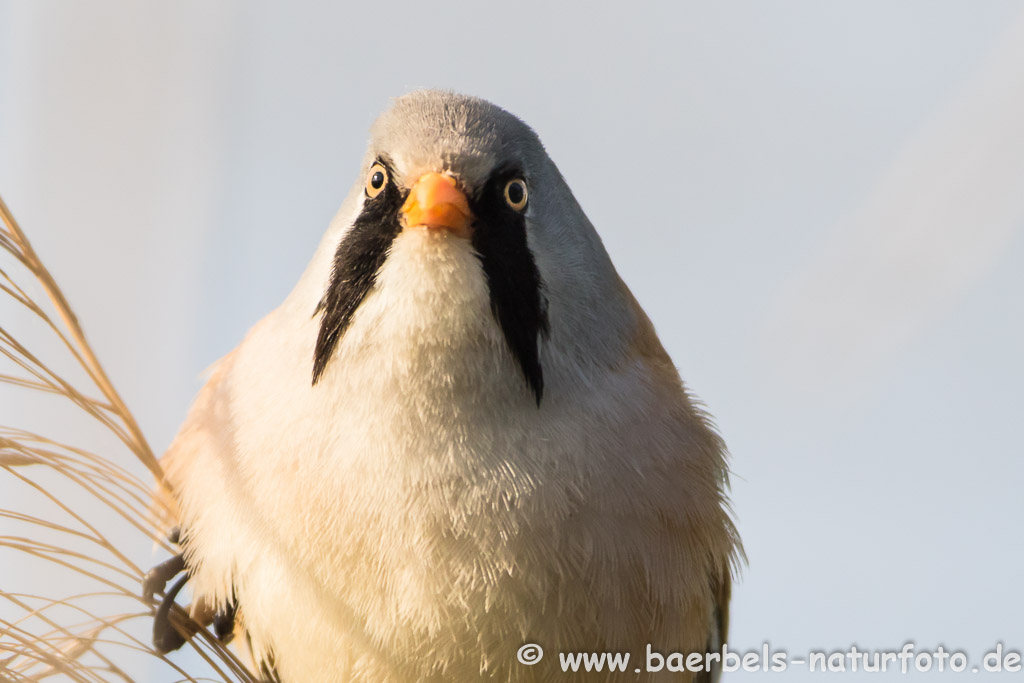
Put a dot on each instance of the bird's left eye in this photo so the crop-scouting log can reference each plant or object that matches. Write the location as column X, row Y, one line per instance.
column 376, row 181
column 516, row 194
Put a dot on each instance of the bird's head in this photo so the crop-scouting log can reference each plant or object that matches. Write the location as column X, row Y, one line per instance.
column 458, row 174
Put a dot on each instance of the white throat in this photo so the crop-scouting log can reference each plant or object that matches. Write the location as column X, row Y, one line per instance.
column 426, row 328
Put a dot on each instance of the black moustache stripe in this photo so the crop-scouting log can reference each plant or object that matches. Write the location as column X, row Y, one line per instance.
column 356, row 263
column 513, row 280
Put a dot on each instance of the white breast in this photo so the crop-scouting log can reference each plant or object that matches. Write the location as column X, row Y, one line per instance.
column 416, row 506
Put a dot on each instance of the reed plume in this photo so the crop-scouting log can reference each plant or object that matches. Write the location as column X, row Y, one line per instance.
column 96, row 516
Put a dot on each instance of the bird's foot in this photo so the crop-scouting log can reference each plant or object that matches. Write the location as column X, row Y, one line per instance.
column 155, row 580
column 165, row 636
column 224, row 623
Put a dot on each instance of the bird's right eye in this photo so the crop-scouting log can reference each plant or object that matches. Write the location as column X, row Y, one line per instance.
column 376, row 181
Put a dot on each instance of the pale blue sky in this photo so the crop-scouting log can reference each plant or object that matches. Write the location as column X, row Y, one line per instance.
column 819, row 204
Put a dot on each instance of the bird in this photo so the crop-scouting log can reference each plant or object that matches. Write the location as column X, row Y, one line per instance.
column 458, row 436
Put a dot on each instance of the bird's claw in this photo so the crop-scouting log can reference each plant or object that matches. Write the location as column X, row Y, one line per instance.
column 155, row 580
column 224, row 623
column 166, row 638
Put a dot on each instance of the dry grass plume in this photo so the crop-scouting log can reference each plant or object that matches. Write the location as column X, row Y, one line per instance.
column 97, row 511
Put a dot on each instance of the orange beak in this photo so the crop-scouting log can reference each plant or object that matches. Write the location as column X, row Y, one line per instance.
column 435, row 202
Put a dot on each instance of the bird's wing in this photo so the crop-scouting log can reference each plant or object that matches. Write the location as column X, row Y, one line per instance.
column 204, row 436
column 206, row 428
column 202, row 442
column 717, row 533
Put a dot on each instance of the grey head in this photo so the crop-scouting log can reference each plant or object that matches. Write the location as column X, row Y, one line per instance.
column 446, row 161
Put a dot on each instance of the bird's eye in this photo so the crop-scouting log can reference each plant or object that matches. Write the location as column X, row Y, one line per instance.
column 376, row 181
column 516, row 194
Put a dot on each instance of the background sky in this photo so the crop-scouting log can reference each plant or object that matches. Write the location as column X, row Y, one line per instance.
column 819, row 204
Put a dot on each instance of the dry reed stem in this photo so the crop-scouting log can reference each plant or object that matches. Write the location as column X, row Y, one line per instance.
column 89, row 360
column 45, row 639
